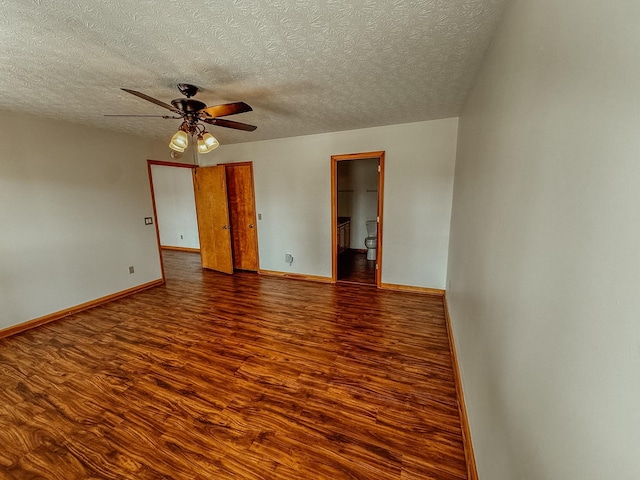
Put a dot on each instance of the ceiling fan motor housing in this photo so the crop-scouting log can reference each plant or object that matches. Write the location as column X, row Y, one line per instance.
column 188, row 105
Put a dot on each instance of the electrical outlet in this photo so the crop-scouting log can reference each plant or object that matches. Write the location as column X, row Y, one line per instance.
column 181, row 237
column 288, row 258
column 131, row 270
column 259, row 216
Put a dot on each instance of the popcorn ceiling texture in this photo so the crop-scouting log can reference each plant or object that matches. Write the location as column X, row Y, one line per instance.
column 304, row 66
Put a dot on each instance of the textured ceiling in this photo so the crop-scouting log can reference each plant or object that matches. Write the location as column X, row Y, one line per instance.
column 304, row 66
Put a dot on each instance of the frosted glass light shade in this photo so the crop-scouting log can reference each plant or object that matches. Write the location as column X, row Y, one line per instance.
column 179, row 140
column 207, row 142
column 176, row 148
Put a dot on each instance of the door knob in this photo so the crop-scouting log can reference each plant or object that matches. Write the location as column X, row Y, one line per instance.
column 225, row 227
column 251, row 225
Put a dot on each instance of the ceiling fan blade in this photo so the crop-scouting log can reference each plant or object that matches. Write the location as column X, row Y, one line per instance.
column 126, row 115
column 226, row 109
column 221, row 122
column 152, row 100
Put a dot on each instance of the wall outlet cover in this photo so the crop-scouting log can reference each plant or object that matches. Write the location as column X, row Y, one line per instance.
column 131, row 270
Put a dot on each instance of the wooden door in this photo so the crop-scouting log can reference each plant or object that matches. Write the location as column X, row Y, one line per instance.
column 210, row 189
column 242, row 214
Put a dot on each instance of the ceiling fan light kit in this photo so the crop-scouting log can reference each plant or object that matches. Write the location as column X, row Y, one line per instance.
column 194, row 113
column 179, row 141
column 176, row 148
column 207, row 142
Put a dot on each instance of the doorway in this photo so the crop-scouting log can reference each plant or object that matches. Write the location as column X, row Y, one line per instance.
column 173, row 208
column 225, row 212
column 356, row 208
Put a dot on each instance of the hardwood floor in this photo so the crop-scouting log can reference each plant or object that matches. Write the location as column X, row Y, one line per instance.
column 234, row 377
column 353, row 267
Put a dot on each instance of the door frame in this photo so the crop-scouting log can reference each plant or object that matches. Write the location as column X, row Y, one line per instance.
column 153, row 200
column 334, row 209
column 255, row 214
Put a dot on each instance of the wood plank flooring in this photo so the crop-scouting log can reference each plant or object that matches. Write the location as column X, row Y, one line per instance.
column 353, row 267
column 234, row 377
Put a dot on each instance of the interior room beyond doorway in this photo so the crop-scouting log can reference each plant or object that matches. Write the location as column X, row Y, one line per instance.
column 357, row 185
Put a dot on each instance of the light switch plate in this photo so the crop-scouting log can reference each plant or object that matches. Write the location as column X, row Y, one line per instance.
column 148, row 220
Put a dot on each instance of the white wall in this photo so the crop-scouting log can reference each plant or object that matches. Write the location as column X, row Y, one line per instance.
column 545, row 244
column 175, row 206
column 72, row 208
column 293, row 193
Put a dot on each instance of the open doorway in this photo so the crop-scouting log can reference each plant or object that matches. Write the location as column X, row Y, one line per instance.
column 172, row 199
column 356, row 187
column 206, row 210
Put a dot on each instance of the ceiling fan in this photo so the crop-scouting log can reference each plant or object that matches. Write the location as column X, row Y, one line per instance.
column 193, row 114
